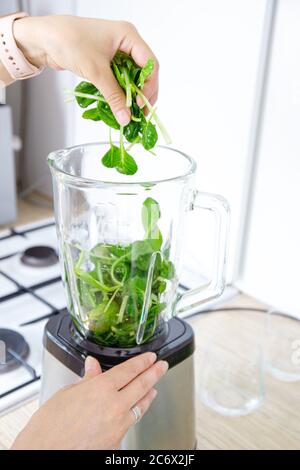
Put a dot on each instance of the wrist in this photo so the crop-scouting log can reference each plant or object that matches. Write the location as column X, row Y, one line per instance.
column 28, row 39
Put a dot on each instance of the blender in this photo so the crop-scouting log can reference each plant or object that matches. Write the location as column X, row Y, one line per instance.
column 120, row 246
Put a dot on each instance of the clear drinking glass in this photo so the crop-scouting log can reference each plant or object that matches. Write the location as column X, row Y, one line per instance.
column 231, row 362
column 283, row 346
column 120, row 240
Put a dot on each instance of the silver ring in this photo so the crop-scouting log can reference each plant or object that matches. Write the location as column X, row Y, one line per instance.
column 137, row 413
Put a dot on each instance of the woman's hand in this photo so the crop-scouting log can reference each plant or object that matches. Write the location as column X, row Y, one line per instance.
column 86, row 47
column 95, row 413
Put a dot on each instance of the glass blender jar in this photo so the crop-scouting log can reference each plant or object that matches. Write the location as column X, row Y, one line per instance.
column 120, row 239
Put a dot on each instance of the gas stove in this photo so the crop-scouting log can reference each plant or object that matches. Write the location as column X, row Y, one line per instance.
column 31, row 292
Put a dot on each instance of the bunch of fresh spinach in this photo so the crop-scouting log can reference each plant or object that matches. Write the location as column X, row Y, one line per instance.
column 140, row 129
column 112, row 293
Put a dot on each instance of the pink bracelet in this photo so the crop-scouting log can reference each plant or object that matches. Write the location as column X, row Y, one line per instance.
column 11, row 56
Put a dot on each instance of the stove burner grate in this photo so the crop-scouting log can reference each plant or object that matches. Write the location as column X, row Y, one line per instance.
column 17, row 349
column 41, row 256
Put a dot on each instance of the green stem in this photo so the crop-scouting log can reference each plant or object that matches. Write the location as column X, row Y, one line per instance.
column 152, row 112
column 137, row 140
column 80, row 259
column 86, row 277
column 111, row 299
column 128, row 89
column 122, row 309
column 112, row 271
column 91, row 298
column 106, row 259
column 86, row 95
column 162, row 128
column 110, row 139
column 99, row 272
column 122, row 150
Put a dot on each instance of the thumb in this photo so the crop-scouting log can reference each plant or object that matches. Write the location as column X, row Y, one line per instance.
column 114, row 95
column 92, row 368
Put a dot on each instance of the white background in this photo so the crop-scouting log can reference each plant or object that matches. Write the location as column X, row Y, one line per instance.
column 272, row 260
column 208, row 51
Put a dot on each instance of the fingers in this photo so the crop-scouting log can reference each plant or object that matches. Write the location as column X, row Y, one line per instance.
column 141, row 385
column 113, row 93
column 92, row 368
column 143, row 405
column 124, row 373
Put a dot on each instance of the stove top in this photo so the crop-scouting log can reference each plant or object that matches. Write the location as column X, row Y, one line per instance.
column 16, row 349
column 31, row 292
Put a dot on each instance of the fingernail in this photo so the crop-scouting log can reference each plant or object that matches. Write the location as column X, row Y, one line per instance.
column 123, row 117
column 153, row 393
column 164, row 366
column 89, row 363
column 152, row 357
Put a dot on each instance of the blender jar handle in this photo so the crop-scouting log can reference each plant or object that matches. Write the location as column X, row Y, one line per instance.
column 214, row 288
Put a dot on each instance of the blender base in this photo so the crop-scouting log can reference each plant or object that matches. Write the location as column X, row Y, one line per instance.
column 169, row 424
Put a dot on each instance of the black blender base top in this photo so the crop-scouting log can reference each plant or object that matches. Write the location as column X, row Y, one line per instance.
column 62, row 340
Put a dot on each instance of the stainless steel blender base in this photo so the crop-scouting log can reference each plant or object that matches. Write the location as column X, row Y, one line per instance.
column 170, row 422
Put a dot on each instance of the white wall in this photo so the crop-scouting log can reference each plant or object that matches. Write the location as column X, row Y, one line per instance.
column 208, row 51
column 273, row 255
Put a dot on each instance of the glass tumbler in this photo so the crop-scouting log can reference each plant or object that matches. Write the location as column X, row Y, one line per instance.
column 230, row 377
column 283, row 346
column 120, row 239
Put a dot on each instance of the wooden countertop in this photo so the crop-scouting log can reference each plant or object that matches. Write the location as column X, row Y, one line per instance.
column 33, row 211
column 275, row 425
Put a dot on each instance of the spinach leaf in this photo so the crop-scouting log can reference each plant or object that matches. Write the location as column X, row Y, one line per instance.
column 106, row 115
column 138, row 113
column 123, row 59
column 131, row 131
column 104, row 252
column 127, row 164
column 118, row 75
column 102, row 317
column 91, row 280
column 146, row 72
column 167, row 269
column 141, row 248
column 134, row 73
column 150, row 217
column 92, row 114
column 150, row 136
column 86, row 88
column 112, row 158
